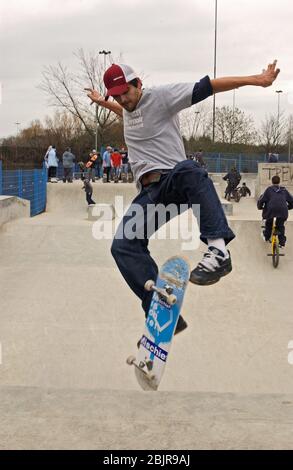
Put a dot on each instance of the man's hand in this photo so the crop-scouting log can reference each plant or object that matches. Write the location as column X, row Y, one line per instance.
column 264, row 79
column 95, row 96
column 269, row 75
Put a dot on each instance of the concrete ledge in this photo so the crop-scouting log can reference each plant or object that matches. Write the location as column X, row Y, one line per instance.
column 267, row 170
column 227, row 207
column 12, row 207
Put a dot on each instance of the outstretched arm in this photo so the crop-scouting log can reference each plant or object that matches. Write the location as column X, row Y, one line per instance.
column 95, row 96
column 265, row 79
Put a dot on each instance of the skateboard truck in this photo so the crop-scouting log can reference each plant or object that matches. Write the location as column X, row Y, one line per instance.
column 131, row 360
column 165, row 293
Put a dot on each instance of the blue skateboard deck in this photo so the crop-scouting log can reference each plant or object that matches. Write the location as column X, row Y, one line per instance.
column 161, row 322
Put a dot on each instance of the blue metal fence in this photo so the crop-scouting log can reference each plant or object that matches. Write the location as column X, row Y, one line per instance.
column 223, row 162
column 215, row 162
column 27, row 184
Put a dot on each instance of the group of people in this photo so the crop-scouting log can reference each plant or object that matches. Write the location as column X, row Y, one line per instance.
column 52, row 161
column 112, row 163
column 115, row 163
column 197, row 157
column 233, row 179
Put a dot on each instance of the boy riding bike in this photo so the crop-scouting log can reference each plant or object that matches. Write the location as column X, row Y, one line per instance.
column 275, row 203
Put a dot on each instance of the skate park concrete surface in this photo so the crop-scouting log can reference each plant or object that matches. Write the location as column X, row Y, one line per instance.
column 68, row 321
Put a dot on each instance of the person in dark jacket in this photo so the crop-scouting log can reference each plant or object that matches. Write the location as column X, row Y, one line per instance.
column 244, row 190
column 233, row 179
column 91, row 165
column 199, row 158
column 88, row 190
column 68, row 165
column 275, row 203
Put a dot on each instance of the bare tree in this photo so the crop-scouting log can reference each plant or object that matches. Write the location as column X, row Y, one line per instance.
column 194, row 121
column 273, row 131
column 233, row 126
column 66, row 91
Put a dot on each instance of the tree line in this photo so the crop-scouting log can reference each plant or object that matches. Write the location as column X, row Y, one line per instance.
column 83, row 127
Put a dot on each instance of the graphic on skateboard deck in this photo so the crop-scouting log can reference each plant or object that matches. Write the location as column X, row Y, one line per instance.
column 160, row 324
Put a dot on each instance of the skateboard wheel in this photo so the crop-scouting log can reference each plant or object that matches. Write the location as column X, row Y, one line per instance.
column 149, row 285
column 130, row 360
column 171, row 299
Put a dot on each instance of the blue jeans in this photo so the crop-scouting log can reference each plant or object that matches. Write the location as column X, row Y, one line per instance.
column 116, row 171
column 124, row 168
column 99, row 170
column 280, row 226
column 187, row 183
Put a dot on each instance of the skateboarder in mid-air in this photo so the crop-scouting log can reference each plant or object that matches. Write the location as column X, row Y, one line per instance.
column 162, row 173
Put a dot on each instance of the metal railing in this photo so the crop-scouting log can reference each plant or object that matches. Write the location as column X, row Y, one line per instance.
column 26, row 184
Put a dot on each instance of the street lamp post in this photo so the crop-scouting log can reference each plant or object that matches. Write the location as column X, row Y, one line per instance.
column 17, row 128
column 17, row 131
column 289, row 143
column 195, row 123
column 278, row 92
column 278, row 117
column 215, row 67
column 233, row 111
column 104, row 53
column 234, row 101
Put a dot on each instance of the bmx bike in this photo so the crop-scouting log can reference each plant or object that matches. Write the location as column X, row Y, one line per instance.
column 275, row 246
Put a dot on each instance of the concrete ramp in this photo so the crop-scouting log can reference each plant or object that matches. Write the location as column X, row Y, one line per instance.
column 68, row 321
column 69, row 198
column 12, row 207
column 33, row 418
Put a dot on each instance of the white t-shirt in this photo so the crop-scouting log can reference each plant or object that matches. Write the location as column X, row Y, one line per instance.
column 152, row 131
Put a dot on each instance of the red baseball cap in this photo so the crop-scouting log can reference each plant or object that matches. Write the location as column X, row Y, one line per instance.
column 116, row 78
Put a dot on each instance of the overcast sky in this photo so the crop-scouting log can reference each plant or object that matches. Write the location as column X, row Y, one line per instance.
column 166, row 40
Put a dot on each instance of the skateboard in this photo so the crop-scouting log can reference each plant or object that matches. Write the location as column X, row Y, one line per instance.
column 161, row 321
column 124, row 177
column 104, row 178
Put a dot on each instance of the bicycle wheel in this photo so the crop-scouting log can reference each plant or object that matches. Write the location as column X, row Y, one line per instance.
column 275, row 252
column 236, row 196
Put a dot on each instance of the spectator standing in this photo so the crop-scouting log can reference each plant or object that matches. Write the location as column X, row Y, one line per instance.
column 116, row 161
column 99, row 165
column 68, row 163
column 199, row 158
column 107, row 162
column 273, row 158
column 51, row 163
column 91, row 165
column 125, row 163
